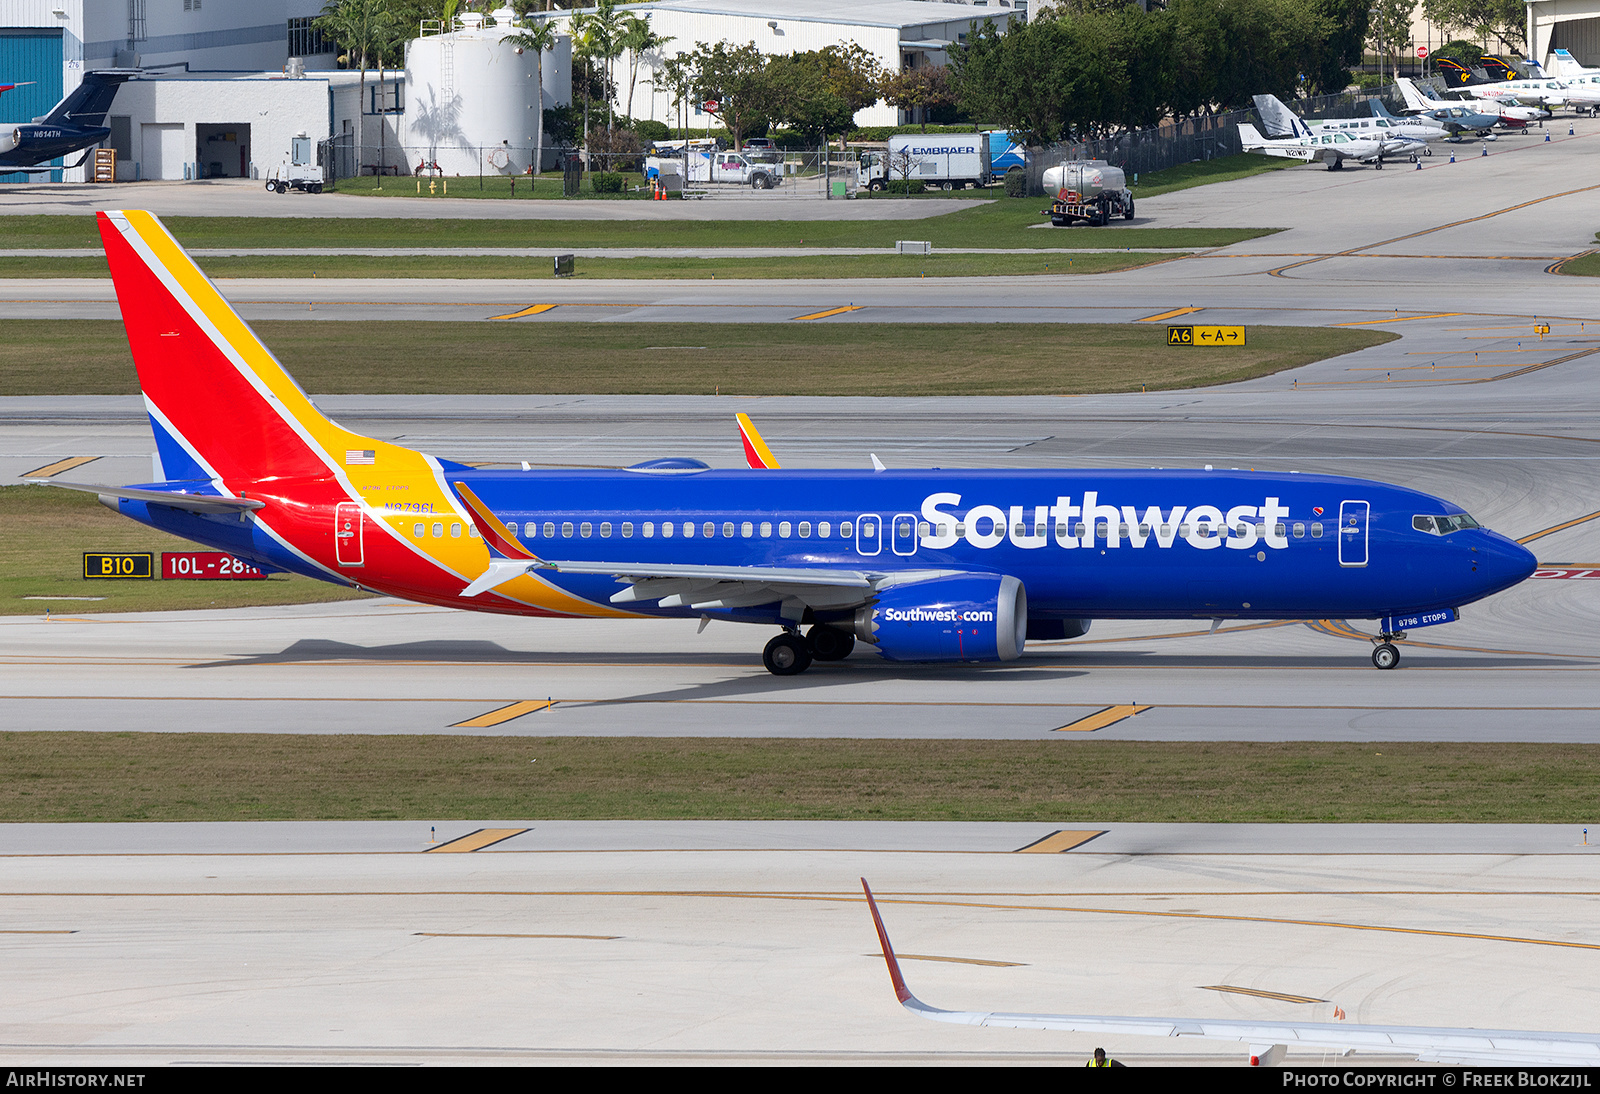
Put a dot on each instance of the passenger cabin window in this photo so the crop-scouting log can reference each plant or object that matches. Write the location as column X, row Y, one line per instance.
column 747, row 529
column 417, row 531
column 805, row 529
column 549, row 530
column 1316, row 529
column 438, row 531
column 845, row 531
column 1299, row 529
column 784, row 527
column 727, row 529
column 824, row 529
column 455, row 531
column 605, row 529
column 627, row 529
column 766, row 529
column 586, row 529
column 649, row 529
column 566, row 529
column 710, row 529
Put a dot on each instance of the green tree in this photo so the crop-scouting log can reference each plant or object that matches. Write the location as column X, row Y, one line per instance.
column 597, row 35
column 1389, row 28
column 364, row 28
column 923, row 90
column 1505, row 20
column 638, row 39
column 736, row 76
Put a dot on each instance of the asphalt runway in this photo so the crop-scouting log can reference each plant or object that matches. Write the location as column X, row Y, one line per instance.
column 714, row 943
column 741, row 943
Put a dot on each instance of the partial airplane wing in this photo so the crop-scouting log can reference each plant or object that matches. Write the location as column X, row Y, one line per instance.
column 676, row 586
column 1269, row 1041
column 194, row 503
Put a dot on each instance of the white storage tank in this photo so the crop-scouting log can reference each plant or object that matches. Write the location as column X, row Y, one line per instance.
column 473, row 100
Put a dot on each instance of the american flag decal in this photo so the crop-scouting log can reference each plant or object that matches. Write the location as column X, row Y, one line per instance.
column 354, row 456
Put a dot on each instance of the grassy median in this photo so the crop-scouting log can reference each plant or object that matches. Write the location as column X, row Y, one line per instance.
column 44, row 533
column 543, row 356
column 1011, row 223
column 77, row 776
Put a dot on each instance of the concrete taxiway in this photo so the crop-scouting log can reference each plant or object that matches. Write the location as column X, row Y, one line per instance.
column 704, row 943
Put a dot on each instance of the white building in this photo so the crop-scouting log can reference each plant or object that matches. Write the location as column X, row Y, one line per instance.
column 46, row 45
column 1573, row 25
column 901, row 34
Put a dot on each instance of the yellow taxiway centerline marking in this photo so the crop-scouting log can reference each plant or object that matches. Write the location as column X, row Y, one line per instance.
column 59, row 466
column 1099, row 720
column 825, row 314
column 1558, row 527
column 536, row 309
column 505, row 714
column 1258, row 993
column 1399, row 319
column 1057, row 842
column 476, row 841
column 1168, row 315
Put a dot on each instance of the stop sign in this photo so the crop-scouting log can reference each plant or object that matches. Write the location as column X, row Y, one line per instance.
column 1422, row 51
column 711, row 106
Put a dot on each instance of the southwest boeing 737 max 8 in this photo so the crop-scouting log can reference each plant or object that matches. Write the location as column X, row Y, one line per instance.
column 928, row 565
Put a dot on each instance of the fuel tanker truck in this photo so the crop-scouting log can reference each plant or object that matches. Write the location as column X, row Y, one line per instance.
column 1089, row 190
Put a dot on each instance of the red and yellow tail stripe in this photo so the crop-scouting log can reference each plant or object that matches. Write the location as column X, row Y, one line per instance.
column 212, row 383
column 756, row 452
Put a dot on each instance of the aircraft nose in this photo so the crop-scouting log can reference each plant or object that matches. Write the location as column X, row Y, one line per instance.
column 1501, row 562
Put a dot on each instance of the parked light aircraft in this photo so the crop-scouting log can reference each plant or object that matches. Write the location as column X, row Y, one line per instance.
column 1419, row 127
column 1551, row 92
column 1576, row 77
column 1514, row 114
column 1511, row 113
column 1397, row 138
column 1269, row 1041
column 927, row 565
column 1457, row 117
column 1331, row 148
column 77, row 122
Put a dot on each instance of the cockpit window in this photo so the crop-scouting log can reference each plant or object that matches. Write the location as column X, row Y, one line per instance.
column 1443, row 526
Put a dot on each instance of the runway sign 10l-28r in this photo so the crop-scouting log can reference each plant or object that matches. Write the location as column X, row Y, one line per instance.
column 1205, row 336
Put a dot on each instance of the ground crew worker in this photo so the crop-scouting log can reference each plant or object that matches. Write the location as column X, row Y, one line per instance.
column 1102, row 1060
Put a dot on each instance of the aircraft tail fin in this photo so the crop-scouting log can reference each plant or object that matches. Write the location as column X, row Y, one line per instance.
column 1564, row 63
column 89, row 101
column 1498, row 69
column 1278, row 119
column 1250, row 137
column 756, row 452
column 221, row 405
column 1414, row 98
column 1456, row 74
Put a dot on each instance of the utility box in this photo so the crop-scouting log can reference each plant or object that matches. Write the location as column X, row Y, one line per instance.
column 564, row 265
column 913, row 247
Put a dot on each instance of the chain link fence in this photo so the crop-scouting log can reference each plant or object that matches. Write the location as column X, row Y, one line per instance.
column 1204, row 137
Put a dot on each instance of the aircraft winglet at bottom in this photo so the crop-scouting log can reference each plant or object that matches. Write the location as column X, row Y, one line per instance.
column 1269, row 1041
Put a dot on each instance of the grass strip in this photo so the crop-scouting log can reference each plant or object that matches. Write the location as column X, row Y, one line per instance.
column 542, row 356
column 797, row 267
column 1006, row 223
column 44, row 532
column 120, row 776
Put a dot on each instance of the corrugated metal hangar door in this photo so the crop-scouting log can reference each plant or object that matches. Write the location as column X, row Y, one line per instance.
column 1579, row 37
column 29, row 54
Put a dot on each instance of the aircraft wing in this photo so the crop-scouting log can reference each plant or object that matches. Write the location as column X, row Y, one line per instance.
column 1269, row 1040
column 680, row 585
column 194, row 503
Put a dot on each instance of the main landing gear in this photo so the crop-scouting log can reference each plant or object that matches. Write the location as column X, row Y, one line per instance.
column 1384, row 653
column 789, row 654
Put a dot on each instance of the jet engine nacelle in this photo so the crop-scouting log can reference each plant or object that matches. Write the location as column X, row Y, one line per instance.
column 10, row 140
column 973, row 617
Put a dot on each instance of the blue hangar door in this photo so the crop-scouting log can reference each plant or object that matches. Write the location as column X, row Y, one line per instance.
column 28, row 53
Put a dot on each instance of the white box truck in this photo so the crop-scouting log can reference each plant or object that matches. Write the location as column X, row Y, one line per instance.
column 947, row 161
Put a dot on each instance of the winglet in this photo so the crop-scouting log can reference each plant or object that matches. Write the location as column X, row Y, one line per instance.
column 901, row 992
column 502, row 541
column 756, row 452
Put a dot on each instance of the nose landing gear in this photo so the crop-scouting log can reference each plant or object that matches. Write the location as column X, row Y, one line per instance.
column 1384, row 653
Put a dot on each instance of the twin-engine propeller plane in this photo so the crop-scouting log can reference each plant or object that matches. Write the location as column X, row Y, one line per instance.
column 928, row 565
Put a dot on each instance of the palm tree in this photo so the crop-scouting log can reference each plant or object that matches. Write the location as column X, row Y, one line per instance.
column 362, row 27
column 538, row 36
column 638, row 38
column 597, row 35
